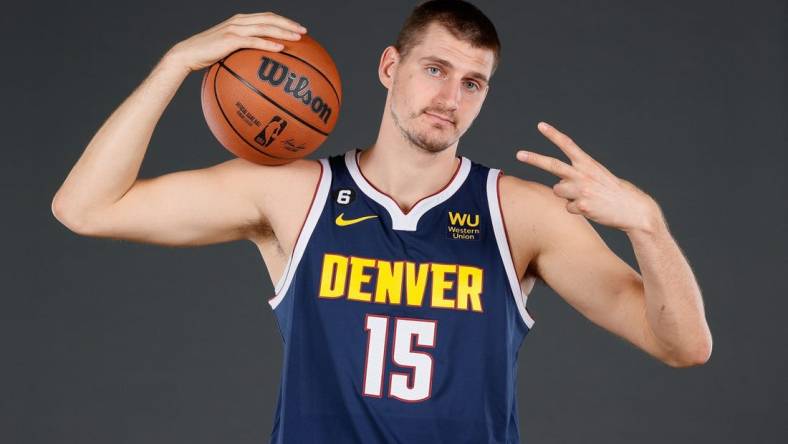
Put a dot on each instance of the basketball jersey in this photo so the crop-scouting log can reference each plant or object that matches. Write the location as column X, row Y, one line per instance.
column 400, row 327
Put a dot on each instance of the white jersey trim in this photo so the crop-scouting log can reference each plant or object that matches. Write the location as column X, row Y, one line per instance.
column 313, row 215
column 400, row 220
column 496, row 215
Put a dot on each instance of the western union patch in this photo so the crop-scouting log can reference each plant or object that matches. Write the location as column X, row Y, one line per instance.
column 463, row 226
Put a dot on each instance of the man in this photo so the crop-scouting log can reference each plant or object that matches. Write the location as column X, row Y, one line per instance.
column 402, row 270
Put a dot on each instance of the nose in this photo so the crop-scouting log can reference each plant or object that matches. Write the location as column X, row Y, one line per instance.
column 449, row 95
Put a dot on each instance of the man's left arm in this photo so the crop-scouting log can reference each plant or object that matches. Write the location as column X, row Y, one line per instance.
column 666, row 294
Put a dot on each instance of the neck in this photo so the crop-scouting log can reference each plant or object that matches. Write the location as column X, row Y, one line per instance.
column 407, row 173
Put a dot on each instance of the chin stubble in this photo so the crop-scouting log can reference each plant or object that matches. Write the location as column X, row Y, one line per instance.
column 414, row 140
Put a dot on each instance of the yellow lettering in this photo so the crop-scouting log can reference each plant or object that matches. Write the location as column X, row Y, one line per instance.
column 332, row 278
column 415, row 283
column 388, row 288
column 337, row 281
column 457, row 218
column 358, row 278
column 440, row 285
column 469, row 286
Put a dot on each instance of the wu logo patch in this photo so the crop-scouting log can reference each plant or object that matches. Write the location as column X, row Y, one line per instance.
column 463, row 226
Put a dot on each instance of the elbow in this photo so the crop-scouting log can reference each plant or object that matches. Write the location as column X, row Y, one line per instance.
column 71, row 219
column 694, row 360
column 693, row 357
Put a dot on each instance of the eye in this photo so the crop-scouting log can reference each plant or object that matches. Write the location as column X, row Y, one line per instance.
column 433, row 70
column 472, row 86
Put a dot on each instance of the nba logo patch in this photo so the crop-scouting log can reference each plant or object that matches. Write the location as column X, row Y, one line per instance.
column 463, row 226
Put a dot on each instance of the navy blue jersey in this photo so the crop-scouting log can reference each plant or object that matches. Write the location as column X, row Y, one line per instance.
column 400, row 327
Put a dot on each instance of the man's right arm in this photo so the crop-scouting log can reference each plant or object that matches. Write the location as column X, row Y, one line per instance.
column 102, row 195
column 230, row 201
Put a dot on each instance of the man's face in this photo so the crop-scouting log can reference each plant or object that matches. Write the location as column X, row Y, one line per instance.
column 438, row 89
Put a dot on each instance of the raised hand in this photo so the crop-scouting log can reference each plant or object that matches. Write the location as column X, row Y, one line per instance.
column 239, row 31
column 591, row 189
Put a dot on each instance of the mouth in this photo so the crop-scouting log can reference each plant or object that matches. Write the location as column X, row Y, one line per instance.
column 440, row 118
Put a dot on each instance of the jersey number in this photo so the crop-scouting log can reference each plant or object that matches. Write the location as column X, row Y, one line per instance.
column 413, row 387
column 344, row 197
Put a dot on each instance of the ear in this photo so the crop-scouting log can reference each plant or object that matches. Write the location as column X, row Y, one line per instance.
column 388, row 64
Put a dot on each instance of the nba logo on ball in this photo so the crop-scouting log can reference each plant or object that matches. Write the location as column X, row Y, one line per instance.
column 271, row 130
column 272, row 108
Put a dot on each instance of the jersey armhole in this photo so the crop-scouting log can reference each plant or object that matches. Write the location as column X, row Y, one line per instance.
column 502, row 239
column 304, row 233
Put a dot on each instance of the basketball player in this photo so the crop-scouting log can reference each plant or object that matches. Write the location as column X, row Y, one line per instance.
column 401, row 270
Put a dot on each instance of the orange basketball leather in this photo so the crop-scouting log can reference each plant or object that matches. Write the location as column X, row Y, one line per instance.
column 273, row 107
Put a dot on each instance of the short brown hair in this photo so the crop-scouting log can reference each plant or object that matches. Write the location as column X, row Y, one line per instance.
column 462, row 19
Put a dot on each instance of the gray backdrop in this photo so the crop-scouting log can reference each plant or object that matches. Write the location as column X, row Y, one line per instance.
column 108, row 341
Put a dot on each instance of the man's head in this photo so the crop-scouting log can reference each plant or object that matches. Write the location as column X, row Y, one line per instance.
column 463, row 20
column 439, row 68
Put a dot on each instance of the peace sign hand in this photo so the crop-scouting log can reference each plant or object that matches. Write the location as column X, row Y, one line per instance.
column 591, row 189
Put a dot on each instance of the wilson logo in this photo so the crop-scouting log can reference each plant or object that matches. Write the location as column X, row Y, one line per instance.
column 280, row 75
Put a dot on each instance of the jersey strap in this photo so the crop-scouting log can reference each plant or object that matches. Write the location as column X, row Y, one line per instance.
column 502, row 239
column 307, row 227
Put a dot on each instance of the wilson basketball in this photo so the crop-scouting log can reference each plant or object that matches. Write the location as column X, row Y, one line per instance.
column 273, row 107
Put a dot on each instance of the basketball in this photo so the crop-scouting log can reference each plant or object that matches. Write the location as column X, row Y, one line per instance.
column 272, row 108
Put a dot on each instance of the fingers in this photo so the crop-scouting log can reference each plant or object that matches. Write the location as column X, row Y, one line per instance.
column 263, row 44
column 253, row 28
column 567, row 145
column 259, row 30
column 567, row 189
column 267, row 18
column 549, row 164
column 576, row 207
column 580, row 159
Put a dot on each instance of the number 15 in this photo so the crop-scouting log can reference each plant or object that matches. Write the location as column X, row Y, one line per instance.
column 400, row 386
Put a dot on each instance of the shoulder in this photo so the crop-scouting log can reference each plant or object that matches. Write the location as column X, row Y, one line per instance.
column 249, row 171
column 526, row 196
column 535, row 218
column 271, row 182
column 536, row 205
column 281, row 193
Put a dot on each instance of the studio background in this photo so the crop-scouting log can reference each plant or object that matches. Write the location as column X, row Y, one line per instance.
column 110, row 341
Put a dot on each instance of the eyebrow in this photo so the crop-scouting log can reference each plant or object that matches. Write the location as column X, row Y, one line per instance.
column 446, row 63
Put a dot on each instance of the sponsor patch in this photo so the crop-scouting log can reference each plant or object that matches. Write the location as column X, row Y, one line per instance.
column 463, row 226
